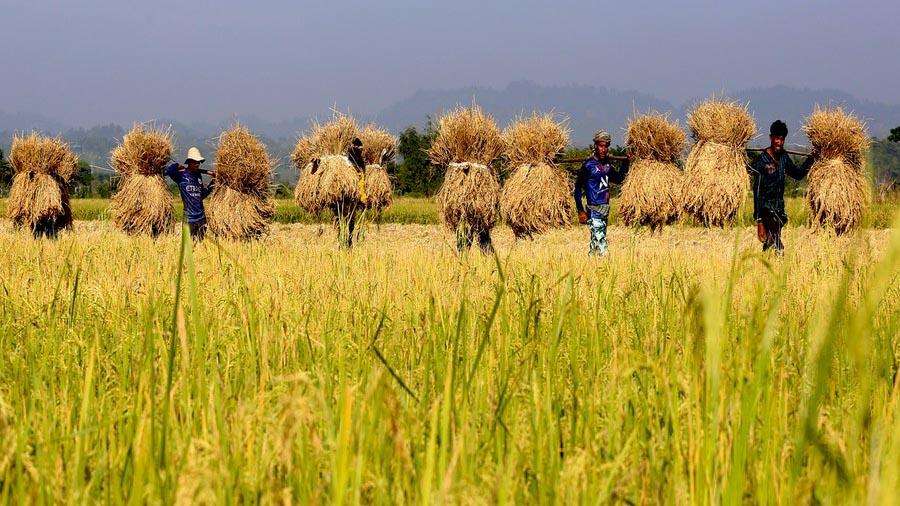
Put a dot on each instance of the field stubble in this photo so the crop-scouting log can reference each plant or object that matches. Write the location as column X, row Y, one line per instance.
column 684, row 367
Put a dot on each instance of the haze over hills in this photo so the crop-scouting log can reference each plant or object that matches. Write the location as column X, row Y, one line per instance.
column 587, row 108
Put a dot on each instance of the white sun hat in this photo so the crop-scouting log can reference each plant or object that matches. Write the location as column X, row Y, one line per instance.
column 194, row 154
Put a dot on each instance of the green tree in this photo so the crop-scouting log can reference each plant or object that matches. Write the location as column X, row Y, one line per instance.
column 414, row 173
column 895, row 135
column 81, row 183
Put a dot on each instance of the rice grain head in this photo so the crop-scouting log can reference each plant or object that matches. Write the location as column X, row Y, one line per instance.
column 537, row 196
column 144, row 150
column 839, row 193
column 469, row 197
column 378, row 188
column 715, row 176
column 378, row 149
column 653, row 137
column 43, row 167
column 240, row 207
column 378, row 145
column 466, row 134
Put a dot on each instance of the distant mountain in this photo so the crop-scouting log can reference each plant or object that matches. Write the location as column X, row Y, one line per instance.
column 24, row 122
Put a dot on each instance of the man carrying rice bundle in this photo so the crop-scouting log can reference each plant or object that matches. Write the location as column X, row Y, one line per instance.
column 189, row 178
column 768, row 172
column 593, row 182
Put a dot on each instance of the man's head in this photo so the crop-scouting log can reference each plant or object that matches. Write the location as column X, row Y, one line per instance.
column 194, row 159
column 602, row 140
column 777, row 133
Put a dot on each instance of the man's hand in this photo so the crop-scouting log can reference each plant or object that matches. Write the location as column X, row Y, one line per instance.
column 761, row 231
column 582, row 217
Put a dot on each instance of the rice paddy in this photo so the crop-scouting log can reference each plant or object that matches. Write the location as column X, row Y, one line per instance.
column 685, row 367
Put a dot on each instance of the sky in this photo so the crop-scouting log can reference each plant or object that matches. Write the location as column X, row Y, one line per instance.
column 94, row 61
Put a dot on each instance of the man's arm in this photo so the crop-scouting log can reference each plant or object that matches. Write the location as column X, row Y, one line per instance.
column 579, row 188
column 798, row 173
column 207, row 189
column 173, row 171
column 618, row 176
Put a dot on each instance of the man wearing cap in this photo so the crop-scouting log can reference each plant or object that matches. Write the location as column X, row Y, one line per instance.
column 189, row 178
column 768, row 172
column 593, row 182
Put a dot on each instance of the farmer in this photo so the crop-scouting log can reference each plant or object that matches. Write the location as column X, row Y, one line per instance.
column 593, row 182
column 768, row 172
column 189, row 178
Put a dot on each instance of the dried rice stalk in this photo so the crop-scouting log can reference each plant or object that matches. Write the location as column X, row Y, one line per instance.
column 466, row 134
column 715, row 174
column 537, row 196
column 839, row 193
column 469, row 197
column 240, row 207
column 378, row 145
column 652, row 192
column 535, row 199
column 378, row 149
column 142, row 205
column 43, row 166
column 378, row 189
column 327, row 178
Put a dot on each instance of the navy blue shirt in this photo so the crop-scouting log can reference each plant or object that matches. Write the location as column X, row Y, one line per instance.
column 768, row 183
column 594, row 179
column 190, row 185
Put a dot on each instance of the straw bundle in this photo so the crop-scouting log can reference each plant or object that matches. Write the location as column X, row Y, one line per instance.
column 715, row 173
column 239, row 206
column 651, row 193
column 468, row 140
column 537, row 196
column 378, row 149
column 143, row 203
column 39, row 198
column 839, row 192
column 327, row 178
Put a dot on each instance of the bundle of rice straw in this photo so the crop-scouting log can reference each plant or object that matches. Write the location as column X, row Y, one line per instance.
column 39, row 197
column 651, row 193
column 240, row 207
column 468, row 140
column 838, row 192
column 378, row 148
column 143, row 203
column 715, row 173
column 537, row 196
column 327, row 178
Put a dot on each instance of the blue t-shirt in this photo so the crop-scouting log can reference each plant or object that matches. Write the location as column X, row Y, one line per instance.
column 594, row 179
column 190, row 185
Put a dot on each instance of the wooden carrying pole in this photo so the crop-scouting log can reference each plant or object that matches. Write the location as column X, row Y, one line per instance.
column 616, row 157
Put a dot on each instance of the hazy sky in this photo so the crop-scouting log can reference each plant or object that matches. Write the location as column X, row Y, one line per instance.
column 89, row 61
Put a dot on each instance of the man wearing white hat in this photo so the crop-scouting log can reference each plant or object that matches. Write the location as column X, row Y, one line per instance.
column 189, row 178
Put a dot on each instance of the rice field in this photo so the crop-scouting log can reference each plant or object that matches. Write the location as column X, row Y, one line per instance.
column 685, row 367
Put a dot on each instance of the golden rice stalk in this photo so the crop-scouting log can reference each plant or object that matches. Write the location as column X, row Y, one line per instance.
column 377, row 188
column 327, row 182
column 839, row 193
column 535, row 199
column 43, row 166
column 235, row 215
column 378, row 145
column 834, row 133
column 651, row 194
column 466, row 134
column 715, row 182
column 469, row 197
column 534, row 140
column 240, row 207
column 143, row 150
column 142, row 205
column 653, row 137
column 38, row 197
column 334, row 137
column 302, row 154
column 306, row 192
column 722, row 121
column 43, row 155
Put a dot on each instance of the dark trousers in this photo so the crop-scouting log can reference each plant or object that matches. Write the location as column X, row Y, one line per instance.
column 198, row 229
column 773, row 225
column 465, row 239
